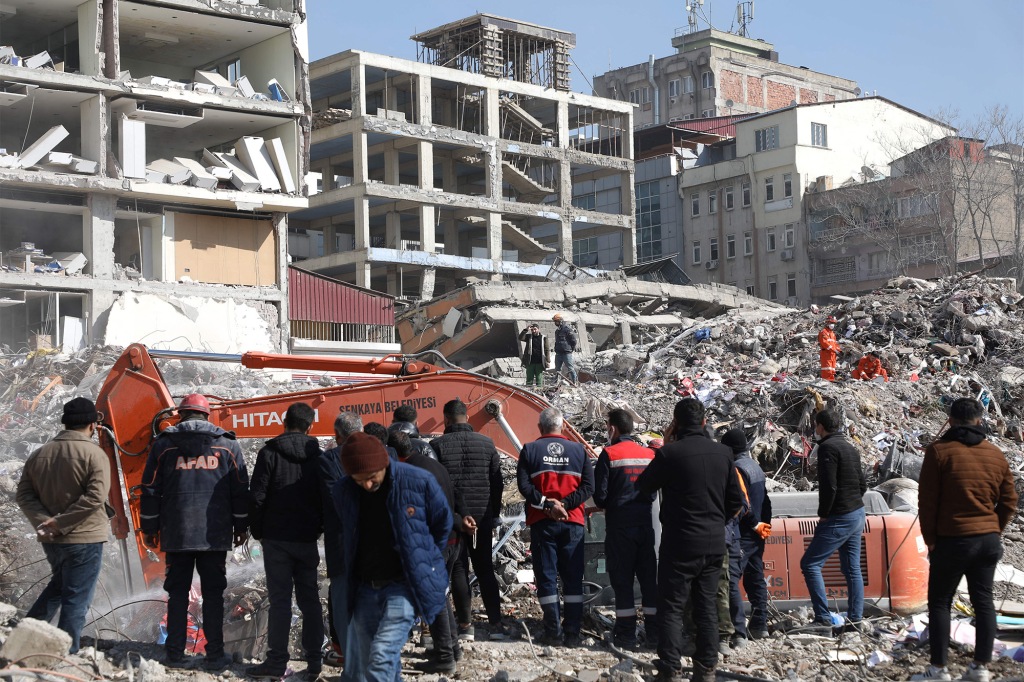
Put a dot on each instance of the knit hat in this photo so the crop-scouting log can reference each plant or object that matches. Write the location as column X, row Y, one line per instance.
column 79, row 412
column 363, row 454
column 735, row 439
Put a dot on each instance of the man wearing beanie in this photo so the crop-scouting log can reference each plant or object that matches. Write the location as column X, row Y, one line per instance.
column 396, row 527
column 755, row 526
column 62, row 492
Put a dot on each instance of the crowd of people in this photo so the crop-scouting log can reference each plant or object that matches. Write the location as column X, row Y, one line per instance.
column 405, row 522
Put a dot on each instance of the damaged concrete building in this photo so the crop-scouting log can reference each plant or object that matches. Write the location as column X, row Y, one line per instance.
column 151, row 152
column 461, row 165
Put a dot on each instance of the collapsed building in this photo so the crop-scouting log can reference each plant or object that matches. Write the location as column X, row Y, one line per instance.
column 145, row 145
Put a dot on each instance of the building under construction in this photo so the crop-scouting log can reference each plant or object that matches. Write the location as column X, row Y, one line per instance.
column 461, row 165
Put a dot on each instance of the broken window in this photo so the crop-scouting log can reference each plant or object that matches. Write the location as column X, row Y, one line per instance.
column 773, row 288
column 750, row 289
column 648, row 221
column 584, row 252
column 791, row 285
column 707, row 80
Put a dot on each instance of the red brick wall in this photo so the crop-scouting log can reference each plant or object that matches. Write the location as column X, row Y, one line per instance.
column 808, row 95
column 730, row 86
column 780, row 95
column 830, row 98
column 755, row 94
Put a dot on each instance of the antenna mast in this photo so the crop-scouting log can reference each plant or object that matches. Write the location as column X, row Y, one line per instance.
column 744, row 15
column 692, row 8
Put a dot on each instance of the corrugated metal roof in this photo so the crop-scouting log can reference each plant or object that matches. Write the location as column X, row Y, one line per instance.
column 322, row 299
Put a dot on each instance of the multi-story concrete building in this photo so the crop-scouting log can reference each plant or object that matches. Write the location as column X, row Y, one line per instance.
column 140, row 154
column 743, row 198
column 942, row 208
column 714, row 73
column 463, row 164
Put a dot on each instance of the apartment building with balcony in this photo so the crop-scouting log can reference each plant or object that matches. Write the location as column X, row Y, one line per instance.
column 744, row 219
column 150, row 153
column 462, row 165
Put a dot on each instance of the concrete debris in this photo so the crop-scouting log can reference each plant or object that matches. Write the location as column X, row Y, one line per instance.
column 754, row 367
column 35, row 644
column 207, row 83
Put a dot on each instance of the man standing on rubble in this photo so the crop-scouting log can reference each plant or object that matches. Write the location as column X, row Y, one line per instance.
column 841, row 489
column 967, row 498
column 829, row 347
column 556, row 478
column 62, row 492
column 629, row 530
column 286, row 516
column 536, row 354
column 565, row 346
column 474, row 465
column 194, row 506
column 345, row 424
column 396, row 526
column 700, row 491
column 755, row 526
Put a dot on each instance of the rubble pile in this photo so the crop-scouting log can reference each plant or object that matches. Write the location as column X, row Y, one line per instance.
column 752, row 366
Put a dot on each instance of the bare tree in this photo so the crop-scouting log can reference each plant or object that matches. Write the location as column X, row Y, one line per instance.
column 1007, row 148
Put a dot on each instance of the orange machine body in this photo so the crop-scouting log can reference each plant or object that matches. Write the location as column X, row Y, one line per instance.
column 136, row 405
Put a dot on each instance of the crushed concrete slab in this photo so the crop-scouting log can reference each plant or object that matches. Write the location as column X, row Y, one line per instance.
column 35, row 644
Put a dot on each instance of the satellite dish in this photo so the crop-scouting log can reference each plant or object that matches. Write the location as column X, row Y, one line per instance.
column 729, row 103
column 792, row 102
column 856, row 92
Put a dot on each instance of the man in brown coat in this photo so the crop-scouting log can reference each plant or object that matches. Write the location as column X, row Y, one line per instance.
column 62, row 491
column 966, row 499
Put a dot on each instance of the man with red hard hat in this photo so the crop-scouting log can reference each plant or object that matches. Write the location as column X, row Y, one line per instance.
column 194, row 507
column 829, row 347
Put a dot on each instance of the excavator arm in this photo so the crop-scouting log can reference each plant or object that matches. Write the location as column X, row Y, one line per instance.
column 137, row 405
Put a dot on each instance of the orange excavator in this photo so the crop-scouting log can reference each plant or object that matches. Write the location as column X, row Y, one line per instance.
column 137, row 405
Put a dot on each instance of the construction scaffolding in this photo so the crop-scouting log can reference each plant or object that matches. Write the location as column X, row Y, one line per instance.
column 500, row 48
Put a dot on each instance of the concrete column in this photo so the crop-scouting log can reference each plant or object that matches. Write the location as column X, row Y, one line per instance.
column 626, row 332
column 584, row 339
column 330, row 239
column 563, row 124
column 425, row 164
column 494, row 243
column 424, row 100
column 428, row 228
column 492, row 113
column 393, row 230
column 280, row 221
column 358, row 90
column 362, row 218
column 360, row 162
column 494, row 179
column 98, row 235
column 90, row 31
column 392, row 170
column 628, row 200
column 451, row 237
column 92, row 113
column 565, row 201
column 427, row 284
column 394, row 283
column 449, row 182
column 363, row 274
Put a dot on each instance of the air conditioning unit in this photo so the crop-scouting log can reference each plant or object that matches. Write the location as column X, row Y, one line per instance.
column 711, row 265
column 788, row 254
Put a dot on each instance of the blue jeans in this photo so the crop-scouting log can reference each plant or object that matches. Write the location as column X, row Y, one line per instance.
column 570, row 364
column 380, row 625
column 74, row 570
column 557, row 549
column 843, row 532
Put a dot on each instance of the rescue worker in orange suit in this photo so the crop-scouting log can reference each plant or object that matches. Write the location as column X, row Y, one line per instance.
column 870, row 367
column 829, row 347
column 195, row 506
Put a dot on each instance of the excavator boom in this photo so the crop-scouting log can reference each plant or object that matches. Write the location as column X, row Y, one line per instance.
column 137, row 405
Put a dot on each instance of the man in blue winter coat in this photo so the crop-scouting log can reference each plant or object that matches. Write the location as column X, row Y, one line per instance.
column 194, row 503
column 396, row 527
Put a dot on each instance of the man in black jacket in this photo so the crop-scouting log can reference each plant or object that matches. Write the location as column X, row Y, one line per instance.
column 194, row 507
column 404, row 419
column 700, row 491
column 565, row 346
column 473, row 463
column 286, row 516
column 841, row 489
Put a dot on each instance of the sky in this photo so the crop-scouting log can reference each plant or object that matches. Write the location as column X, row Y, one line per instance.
column 929, row 55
